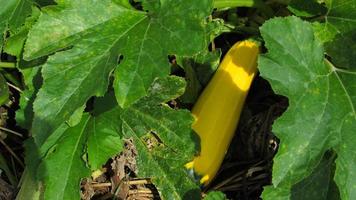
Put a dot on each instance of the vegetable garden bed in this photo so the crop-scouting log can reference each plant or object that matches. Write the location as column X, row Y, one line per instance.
column 142, row 99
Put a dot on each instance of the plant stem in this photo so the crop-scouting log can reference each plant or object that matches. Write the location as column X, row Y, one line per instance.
column 7, row 65
column 219, row 4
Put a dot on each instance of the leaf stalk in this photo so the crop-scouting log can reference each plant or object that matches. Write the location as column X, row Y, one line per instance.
column 7, row 65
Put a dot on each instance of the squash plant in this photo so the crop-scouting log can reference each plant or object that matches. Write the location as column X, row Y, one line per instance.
column 97, row 72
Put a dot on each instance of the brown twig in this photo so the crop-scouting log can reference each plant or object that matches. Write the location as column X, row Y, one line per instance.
column 14, row 87
column 11, row 131
column 139, row 182
column 99, row 185
column 140, row 191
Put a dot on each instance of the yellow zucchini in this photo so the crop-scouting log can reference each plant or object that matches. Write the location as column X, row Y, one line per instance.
column 218, row 108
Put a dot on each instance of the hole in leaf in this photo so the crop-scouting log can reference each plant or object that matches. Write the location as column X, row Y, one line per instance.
column 119, row 59
column 152, row 140
column 137, row 5
column 172, row 59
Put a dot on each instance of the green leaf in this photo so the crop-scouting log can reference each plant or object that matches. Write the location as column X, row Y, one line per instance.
column 30, row 71
column 100, row 134
column 4, row 91
column 340, row 18
column 12, row 15
column 15, row 42
column 164, row 139
column 338, row 30
column 125, row 3
column 319, row 184
column 76, row 116
column 321, row 113
column 104, row 140
column 171, row 21
column 99, row 34
column 215, row 195
column 62, row 170
column 21, row 10
column 32, row 79
column 304, row 8
column 342, row 55
column 35, row 154
column 31, row 191
column 198, row 71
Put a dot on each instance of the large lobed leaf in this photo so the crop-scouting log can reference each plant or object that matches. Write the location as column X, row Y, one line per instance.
column 319, row 184
column 103, row 139
column 63, row 168
column 304, row 8
column 321, row 113
column 338, row 30
column 340, row 18
column 164, row 139
column 162, row 136
column 99, row 32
